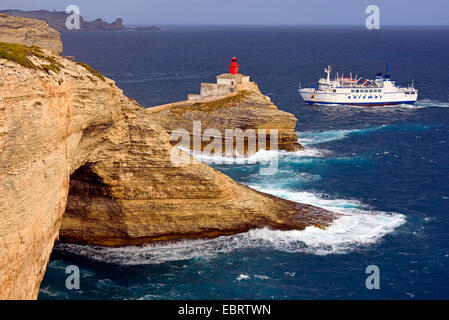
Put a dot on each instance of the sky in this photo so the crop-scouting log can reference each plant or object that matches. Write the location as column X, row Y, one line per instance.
column 271, row 12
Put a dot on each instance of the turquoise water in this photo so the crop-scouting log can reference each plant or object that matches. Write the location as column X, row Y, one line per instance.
column 385, row 169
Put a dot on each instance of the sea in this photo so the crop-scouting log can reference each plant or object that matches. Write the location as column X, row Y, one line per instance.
column 385, row 168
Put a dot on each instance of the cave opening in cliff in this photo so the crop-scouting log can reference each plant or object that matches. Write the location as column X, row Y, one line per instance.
column 91, row 213
column 84, row 182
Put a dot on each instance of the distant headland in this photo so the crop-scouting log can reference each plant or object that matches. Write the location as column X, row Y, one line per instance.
column 57, row 19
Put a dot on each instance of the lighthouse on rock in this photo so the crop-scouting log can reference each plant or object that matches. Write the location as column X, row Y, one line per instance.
column 227, row 84
column 234, row 67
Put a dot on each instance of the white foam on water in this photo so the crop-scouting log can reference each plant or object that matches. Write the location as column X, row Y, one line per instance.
column 421, row 103
column 308, row 152
column 426, row 103
column 242, row 277
column 261, row 157
column 309, row 138
column 357, row 227
column 311, row 198
column 317, row 137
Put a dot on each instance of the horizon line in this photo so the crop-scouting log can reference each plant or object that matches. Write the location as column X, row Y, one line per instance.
column 285, row 25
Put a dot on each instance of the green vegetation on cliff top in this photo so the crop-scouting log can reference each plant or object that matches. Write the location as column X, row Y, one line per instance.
column 21, row 54
column 92, row 70
column 211, row 106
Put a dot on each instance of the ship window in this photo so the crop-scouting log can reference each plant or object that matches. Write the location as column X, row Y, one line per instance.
column 335, row 90
column 349, row 97
column 371, row 91
column 357, row 91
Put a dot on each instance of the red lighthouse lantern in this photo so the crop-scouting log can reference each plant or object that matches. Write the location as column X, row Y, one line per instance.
column 234, row 67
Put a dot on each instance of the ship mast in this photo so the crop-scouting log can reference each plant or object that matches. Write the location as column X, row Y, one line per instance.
column 328, row 71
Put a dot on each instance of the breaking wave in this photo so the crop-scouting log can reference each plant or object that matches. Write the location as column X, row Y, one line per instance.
column 357, row 227
column 261, row 156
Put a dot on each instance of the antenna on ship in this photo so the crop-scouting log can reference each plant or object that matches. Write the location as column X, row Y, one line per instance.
column 328, row 70
column 387, row 74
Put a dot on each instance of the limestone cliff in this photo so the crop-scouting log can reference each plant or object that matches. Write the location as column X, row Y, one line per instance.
column 246, row 109
column 81, row 161
column 71, row 142
column 29, row 32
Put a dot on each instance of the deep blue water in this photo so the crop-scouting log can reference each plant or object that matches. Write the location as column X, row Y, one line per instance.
column 386, row 168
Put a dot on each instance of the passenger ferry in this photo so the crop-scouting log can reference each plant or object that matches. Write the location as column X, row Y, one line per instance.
column 359, row 92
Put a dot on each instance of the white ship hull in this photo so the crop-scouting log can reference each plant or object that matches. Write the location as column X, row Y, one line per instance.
column 312, row 96
column 349, row 91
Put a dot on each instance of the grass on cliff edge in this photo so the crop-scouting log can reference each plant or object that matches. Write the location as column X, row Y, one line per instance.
column 213, row 105
column 92, row 70
column 20, row 54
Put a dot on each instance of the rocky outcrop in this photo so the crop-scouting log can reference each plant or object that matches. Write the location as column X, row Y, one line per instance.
column 29, row 32
column 57, row 20
column 146, row 28
column 246, row 109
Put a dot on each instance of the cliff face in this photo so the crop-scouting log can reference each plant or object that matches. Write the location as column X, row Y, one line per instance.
column 71, row 142
column 247, row 109
column 57, row 19
column 29, row 32
column 81, row 161
column 43, row 118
